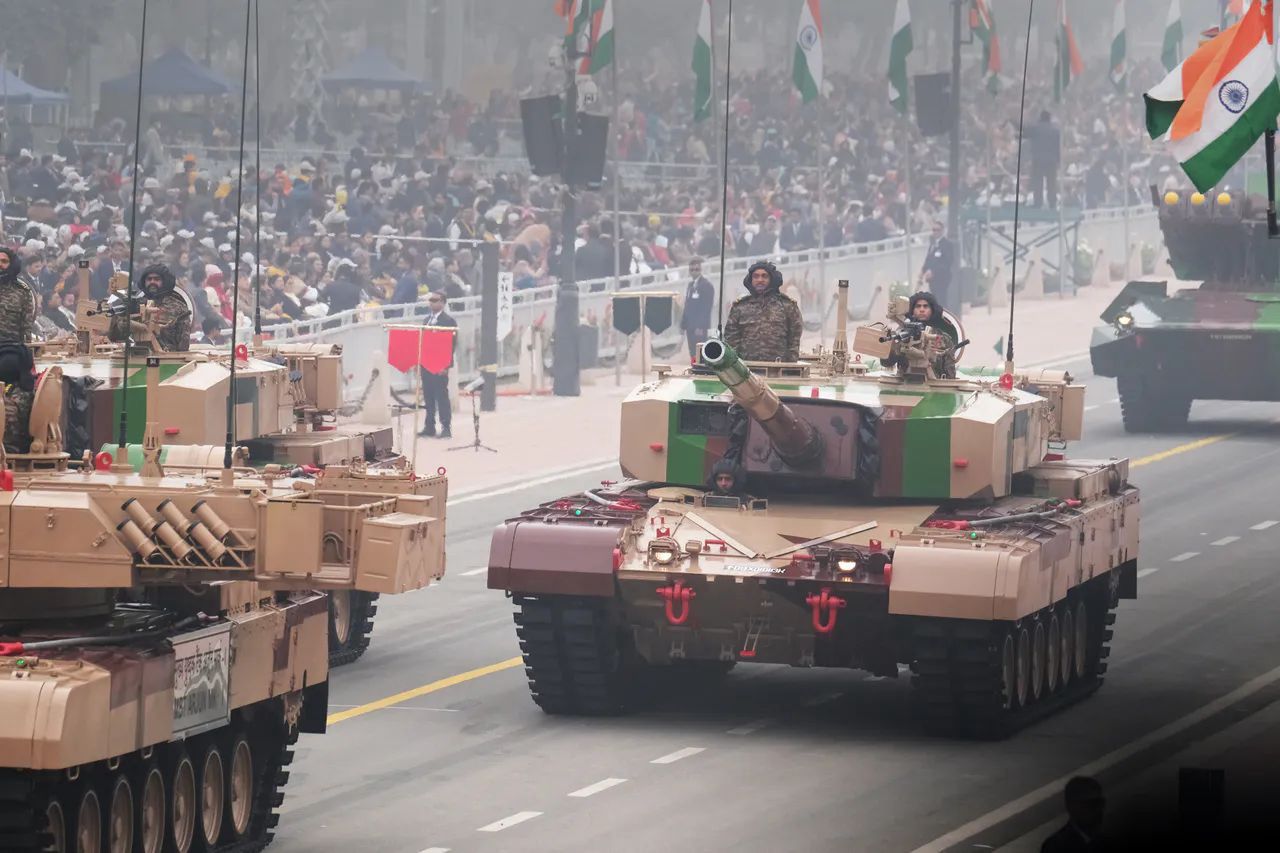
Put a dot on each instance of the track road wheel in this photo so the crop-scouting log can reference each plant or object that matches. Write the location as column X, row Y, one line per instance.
column 240, row 788
column 577, row 657
column 121, row 824
column 1053, row 653
column 1024, row 665
column 1008, row 673
column 149, row 818
column 181, row 824
column 1080, row 642
column 1066, row 655
column 56, row 826
column 88, row 833
column 212, row 795
column 1145, row 410
column 1039, row 658
column 350, row 622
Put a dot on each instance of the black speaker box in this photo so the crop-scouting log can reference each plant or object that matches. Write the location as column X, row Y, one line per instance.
column 933, row 103
column 543, row 133
column 587, row 154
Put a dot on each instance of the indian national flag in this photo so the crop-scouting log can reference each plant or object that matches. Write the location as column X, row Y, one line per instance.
column 1171, row 52
column 602, row 34
column 807, row 72
column 899, row 47
column 1119, row 52
column 577, row 34
column 1213, row 107
column 702, row 64
column 983, row 24
column 1069, row 65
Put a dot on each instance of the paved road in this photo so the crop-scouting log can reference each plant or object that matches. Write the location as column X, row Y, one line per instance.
column 779, row 758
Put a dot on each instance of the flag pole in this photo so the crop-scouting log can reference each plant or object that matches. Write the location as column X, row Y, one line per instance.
column 420, row 394
column 617, row 206
column 906, row 153
column 1273, row 229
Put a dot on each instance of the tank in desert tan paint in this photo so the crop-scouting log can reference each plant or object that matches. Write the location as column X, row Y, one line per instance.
column 289, row 397
column 163, row 637
column 888, row 520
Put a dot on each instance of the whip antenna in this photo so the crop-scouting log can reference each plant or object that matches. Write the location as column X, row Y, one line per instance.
column 1017, row 196
column 257, row 174
column 123, row 435
column 724, row 174
column 235, row 296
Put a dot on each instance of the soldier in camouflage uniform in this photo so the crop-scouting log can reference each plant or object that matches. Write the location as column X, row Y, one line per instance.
column 173, row 316
column 17, row 375
column 764, row 325
column 17, row 300
column 926, row 310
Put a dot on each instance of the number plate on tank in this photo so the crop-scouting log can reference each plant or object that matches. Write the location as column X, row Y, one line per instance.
column 749, row 569
column 201, row 679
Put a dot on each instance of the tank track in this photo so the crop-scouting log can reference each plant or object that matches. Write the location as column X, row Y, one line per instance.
column 961, row 681
column 574, row 655
column 363, row 609
column 1142, row 411
column 25, row 794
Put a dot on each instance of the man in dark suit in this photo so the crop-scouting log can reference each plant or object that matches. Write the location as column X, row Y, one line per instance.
column 699, row 299
column 938, row 260
column 435, row 386
column 1045, row 141
column 1085, row 806
column 796, row 234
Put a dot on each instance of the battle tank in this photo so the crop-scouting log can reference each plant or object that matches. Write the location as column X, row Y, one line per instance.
column 889, row 519
column 288, row 398
column 1211, row 341
column 163, row 637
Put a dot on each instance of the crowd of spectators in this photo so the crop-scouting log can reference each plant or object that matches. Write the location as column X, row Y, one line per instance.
column 400, row 211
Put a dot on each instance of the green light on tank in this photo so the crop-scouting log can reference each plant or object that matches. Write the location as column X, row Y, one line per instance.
column 577, row 512
column 21, row 663
column 973, row 535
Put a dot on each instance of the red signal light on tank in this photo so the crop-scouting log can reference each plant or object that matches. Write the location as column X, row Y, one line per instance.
column 1006, row 381
column 617, row 559
column 657, row 447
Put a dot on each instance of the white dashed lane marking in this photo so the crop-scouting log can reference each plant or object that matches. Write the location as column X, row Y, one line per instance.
column 673, row 757
column 508, row 822
column 471, row 572
column 821, row 699
column 748, row 728
column 1225, row 540
column 436, row 850
column 1186, row 555
column 1142, row 573
column 1265, row 525
column 602, row 785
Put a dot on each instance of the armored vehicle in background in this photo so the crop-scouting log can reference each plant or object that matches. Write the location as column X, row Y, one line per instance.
column 887, row 519
column 163, row 636
column 1216, row 340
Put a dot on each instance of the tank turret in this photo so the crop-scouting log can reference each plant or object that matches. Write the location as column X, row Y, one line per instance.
column 795, row 439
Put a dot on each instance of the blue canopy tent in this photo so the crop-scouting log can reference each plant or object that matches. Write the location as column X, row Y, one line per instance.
column 15, row 90
column 173, row 74
column 372, row 69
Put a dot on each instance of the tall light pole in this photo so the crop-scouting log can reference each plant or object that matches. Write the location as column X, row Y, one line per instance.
column 565, row 345
column 956, row 294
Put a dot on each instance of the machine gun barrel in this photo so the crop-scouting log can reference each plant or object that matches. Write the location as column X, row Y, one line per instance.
column 910, row 331
column 795, row 439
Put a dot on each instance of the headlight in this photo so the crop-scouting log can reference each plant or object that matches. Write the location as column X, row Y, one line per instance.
column 663, row 556
column 1125, row 321
column 846, row 565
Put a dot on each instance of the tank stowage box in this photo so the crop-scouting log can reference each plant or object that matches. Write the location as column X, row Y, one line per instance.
column 833, row 513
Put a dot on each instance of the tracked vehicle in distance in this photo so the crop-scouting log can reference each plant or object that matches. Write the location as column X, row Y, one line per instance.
column 1215, row 340
column 889, row 519
column 163, row 637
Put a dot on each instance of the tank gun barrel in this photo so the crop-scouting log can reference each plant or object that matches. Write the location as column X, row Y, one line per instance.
column 795, row 439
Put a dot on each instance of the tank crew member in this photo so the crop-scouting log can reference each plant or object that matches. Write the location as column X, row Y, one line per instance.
column 728, row 479
column 17, row 300
column 173, row 327
column 17, row 373
column 764, row 325
column 926, row 310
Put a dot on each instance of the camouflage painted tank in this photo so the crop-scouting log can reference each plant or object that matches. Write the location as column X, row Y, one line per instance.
column 163, row 639
column 1216, row 340
column 288, row 400
column 887, row 521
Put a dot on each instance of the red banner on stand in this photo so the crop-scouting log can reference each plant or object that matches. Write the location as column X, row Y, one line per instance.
column 429, row 347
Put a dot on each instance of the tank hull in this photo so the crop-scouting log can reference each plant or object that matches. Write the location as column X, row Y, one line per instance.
column 920, row 584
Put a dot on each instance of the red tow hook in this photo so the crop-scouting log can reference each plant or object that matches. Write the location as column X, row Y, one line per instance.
column 677, row 592
column 829, row 603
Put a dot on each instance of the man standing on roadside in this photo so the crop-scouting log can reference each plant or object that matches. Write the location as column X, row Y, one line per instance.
column 699, row 296
column 435, row 386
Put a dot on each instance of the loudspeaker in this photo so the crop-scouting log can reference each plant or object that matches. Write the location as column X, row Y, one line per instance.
column 626, row 313
column 658, row 312
column 540, row 119
column 933, row 104
column 586, row 157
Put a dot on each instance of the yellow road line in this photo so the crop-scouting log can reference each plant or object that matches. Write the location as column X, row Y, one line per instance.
column 1180, row 449
column 460, row 678
column 511, row 663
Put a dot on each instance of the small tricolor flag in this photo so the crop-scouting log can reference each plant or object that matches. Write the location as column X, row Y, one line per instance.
column 1119, row 50
column 1171, row 51
column 1214, row 106
column 703, row 88
column 1069, row 64
column 807, row 70
column 900, row 46
column 983, row 25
